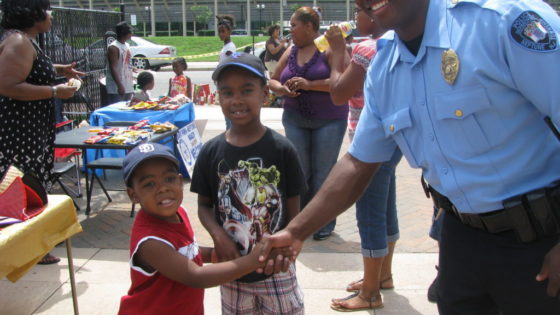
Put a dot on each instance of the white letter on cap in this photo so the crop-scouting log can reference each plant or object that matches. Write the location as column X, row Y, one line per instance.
column 146, row 147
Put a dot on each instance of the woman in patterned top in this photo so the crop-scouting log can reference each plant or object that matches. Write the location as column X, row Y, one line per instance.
column 27, row 125
column 376, row 210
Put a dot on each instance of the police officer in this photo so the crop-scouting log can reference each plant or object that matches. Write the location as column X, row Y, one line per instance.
column 462, row 87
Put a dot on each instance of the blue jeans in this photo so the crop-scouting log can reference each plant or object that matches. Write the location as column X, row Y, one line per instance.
column 376, row 211
column 318, row 143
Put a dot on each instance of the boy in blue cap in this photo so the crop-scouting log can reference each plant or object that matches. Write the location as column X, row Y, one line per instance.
column 248, row 182
column 165, row 260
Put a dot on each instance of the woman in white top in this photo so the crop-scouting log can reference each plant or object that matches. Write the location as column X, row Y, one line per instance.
column 119, row 66
column 225, row 24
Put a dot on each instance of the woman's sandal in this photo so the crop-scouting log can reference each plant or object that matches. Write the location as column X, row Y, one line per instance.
column 48, row 259
column 371, row 303
column 355, row 286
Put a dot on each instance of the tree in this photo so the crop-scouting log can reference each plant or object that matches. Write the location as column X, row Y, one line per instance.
column 295, row 6
column 202, row 15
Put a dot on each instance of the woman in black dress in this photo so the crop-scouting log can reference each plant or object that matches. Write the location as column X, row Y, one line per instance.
column 26, row 96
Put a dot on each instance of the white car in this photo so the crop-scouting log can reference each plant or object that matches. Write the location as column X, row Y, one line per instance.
column 141, row 47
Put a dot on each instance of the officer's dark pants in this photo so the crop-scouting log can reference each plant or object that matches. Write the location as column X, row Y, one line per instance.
column 481, row 273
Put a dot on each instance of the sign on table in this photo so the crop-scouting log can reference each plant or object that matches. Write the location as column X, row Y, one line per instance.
column 189, row 144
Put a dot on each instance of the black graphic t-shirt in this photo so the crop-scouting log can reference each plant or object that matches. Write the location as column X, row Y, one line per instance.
column 249, row 187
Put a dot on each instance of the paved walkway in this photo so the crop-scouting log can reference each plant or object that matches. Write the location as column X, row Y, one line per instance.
column 323, row 267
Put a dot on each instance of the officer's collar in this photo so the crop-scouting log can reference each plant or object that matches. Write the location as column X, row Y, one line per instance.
column 436, row 33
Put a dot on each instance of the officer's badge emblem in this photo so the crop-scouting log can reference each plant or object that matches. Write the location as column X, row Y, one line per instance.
column 531, row 31
column 449, row 65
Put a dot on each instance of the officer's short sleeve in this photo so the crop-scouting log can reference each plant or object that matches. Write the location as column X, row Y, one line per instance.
column 370, row 143
column 530, row 36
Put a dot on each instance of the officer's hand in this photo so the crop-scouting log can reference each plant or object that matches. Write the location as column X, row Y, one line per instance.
column 289, row 247
column 551, row 270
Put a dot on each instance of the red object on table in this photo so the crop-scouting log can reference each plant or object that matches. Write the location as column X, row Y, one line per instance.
column 19, row 201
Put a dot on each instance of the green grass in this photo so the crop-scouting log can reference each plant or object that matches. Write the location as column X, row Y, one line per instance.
column 191, row 46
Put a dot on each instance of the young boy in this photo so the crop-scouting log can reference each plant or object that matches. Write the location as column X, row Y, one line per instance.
column 248, row 182
column 165, row 260
column 119, row 66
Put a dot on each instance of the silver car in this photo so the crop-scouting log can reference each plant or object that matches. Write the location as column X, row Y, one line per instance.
column 143, row 48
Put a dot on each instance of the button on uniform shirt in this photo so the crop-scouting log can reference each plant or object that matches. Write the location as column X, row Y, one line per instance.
column 481, row 139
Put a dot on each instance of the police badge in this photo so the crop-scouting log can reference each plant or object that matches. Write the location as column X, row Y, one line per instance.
column 449, row 65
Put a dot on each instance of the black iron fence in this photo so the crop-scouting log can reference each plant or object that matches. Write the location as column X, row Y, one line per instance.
column 78, row 36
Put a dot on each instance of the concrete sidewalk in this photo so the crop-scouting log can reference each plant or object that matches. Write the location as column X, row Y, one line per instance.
column 324, row 268
column 102, row 276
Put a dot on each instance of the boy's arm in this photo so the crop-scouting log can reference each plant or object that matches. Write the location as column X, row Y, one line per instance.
column 223, row 245
column 208, row 254
column 166, row 260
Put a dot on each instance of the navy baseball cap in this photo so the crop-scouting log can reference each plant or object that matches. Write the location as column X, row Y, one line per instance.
column 242, row 60
column 144, row 152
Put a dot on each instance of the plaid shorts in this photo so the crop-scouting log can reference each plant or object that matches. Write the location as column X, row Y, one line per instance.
column 279, row 294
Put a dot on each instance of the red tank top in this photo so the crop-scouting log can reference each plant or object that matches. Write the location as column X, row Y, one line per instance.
column 153, row 293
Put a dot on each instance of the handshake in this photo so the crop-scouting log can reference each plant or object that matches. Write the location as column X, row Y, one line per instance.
column 276, row 252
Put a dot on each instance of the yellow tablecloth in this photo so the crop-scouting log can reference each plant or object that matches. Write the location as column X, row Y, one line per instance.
column 22, row 245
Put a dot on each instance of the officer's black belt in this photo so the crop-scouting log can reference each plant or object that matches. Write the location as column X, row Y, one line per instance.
column 531, row 216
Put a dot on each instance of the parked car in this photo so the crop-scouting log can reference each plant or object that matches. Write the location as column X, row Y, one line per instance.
column 141, row 47
column 95, row 54
column 239, row 32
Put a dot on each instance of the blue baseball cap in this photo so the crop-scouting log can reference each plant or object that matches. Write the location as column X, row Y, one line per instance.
column 242, row 60
column 144, row 152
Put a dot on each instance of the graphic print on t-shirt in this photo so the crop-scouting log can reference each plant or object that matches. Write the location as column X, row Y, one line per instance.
column 249, row 202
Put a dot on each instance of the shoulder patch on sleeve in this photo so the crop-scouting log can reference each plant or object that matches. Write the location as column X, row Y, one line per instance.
column 531, row 31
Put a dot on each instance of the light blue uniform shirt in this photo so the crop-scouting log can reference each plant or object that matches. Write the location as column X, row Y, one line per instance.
column 482, row 139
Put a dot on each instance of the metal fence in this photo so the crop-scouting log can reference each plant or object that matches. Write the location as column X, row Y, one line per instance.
column 78, row 36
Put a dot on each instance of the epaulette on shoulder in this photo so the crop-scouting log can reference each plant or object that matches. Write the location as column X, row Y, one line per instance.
column 500, row 6
column 383, row 40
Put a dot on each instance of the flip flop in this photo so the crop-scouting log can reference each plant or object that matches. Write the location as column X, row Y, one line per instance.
column 48, row 259
column 390, row 278
column 350, row 286
column 341, row 308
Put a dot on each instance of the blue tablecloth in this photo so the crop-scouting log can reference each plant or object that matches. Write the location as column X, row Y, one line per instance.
column 179, row 117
